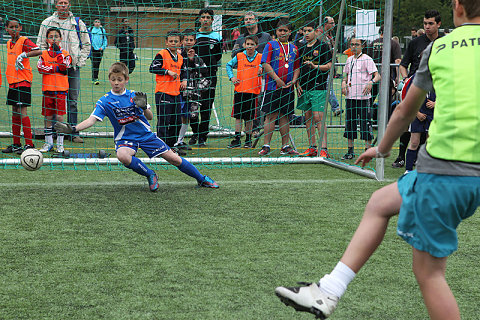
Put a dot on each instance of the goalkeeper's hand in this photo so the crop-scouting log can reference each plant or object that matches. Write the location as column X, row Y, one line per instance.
column 62, row 127
column 140, row 100
column 19, row 61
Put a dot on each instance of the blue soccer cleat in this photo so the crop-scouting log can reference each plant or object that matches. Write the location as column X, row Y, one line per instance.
column 208, row 183
column 153, row 182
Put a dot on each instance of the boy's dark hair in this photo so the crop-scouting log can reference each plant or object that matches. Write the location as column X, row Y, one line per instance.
column 414, row 29
column 51, row 30
column 206, row 10
column 472, row 8
column 312, row 24
column 174, row 33
column 284, row 22
column 189, row 32
column 118, row 67
column 433, row 14
column 252, row 37
column 13, row 19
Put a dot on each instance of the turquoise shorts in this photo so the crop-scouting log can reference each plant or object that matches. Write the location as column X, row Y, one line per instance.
column 312, row 100
column 432, row 208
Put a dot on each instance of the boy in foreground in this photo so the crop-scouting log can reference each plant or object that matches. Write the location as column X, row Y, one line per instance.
column 129, row 113
column 432, row 200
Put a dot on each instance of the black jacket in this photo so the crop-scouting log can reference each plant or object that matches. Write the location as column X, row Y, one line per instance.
column 125, row 39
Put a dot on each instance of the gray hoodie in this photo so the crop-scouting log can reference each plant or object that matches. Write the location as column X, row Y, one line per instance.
column 70, row 40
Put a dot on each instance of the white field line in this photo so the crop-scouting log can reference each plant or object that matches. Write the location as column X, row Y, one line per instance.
column 73, row 184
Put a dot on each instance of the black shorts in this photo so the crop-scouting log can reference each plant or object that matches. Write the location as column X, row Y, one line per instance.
column 244, row 105
column 280, row 100
column 19, row 96
column 418, row 126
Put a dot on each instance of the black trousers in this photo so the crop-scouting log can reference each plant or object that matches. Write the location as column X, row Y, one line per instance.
column 96, row 58
column 200, row 125
column 128, row 57
column 168, row 117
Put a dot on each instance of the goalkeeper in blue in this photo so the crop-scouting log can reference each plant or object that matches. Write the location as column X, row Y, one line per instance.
column 129, row 112
column 432, row 200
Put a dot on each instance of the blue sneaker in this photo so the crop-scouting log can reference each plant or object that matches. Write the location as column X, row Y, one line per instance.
column 153, row 182
column 208, row 183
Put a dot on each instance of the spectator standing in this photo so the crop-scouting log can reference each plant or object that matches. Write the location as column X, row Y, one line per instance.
column 413, row 32
column 326, row 35
column 235, row 34
column 411, row 60
column 360, row 76
column 76, row 42
column 99, row 43
column 315, row 62
column 209, row 48
column 19, row 77
column 247, row 87
column 281, row 65
column 170, row 77
column 252, row 28
column 125, row 42
column 53, row 65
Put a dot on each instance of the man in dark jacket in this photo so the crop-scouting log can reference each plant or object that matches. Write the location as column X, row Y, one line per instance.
column 252, row 28
column 125, row 42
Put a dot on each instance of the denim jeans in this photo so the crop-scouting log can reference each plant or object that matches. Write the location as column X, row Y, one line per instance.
column 332, row 99
column 73, row 91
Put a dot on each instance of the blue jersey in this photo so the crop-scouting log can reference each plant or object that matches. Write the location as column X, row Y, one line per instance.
column 128, row 121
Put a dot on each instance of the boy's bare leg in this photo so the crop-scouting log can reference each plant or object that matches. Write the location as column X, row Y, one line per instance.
column 310, row 128
column 317, row 118
column 248, row 126
column 238, row 125
column 430, row 274
column 383, row 204
column 284, row 129
column 269, row 126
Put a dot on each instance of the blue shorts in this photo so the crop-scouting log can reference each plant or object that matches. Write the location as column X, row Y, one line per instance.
column 432, row 208
column 153, row 147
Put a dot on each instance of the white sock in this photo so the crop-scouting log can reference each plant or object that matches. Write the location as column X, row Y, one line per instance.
column 181, row 134
column 49, row 137
column 336, row 282
column 59, row 140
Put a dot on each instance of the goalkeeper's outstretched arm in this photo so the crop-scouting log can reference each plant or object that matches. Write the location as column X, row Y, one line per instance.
column 87, row 123
column 68, row 129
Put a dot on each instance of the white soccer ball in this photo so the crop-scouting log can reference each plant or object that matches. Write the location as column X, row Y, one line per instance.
column 31, row 159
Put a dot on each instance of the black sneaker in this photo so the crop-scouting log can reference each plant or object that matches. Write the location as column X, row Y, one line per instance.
column 348, row 156
column 399, row 163
column 183, row 146
column 202, row 143
column 178, row 151
column 264, row 151
column 27, row 146
column 13, row 148
column 193, row 140
column 236, row 143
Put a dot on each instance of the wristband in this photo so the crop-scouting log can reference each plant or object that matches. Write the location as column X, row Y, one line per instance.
column 381, row 155
column 74, row 129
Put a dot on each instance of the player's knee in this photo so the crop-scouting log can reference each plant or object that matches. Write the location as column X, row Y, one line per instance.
column 124, row 158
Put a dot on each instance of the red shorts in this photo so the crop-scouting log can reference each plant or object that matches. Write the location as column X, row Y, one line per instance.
column 54, row 104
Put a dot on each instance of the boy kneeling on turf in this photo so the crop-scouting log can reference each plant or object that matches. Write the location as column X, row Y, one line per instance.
column 247, row 87
column 129, row 113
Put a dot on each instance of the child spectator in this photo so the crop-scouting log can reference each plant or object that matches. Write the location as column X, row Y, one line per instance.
column 316, row 60
column 170, row 76
column 209, row 48
column 197, row 81
column 247, row 87
column 281, row 65
column 357, row 86
column 129, row 113
column 19, row 77
column 99, row 43
column 53, row 64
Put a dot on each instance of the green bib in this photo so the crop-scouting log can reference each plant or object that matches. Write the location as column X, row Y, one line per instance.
column 454, row 64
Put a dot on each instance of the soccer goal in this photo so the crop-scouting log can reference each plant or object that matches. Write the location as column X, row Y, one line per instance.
column 135, row 32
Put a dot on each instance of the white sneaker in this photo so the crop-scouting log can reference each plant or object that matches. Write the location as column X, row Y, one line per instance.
column 60, row 149
column 46, row 147
column 308, row 298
